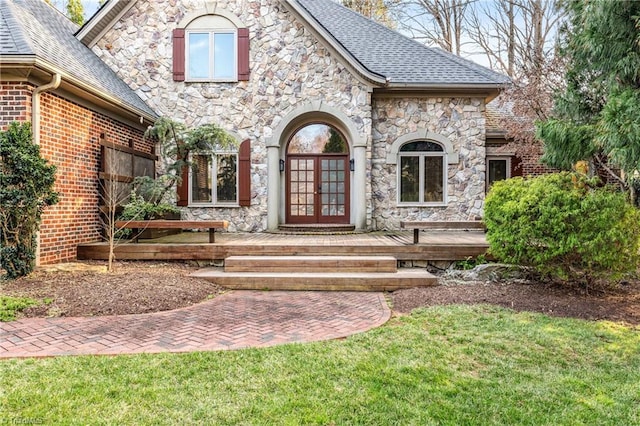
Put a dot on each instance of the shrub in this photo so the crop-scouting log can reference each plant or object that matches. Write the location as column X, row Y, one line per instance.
column 26, row 188
column 564, row 227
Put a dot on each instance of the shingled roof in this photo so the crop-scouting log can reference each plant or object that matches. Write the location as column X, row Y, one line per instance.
column 399, row 59
column 32, row 28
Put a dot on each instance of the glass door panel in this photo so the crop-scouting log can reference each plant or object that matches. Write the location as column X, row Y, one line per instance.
column 301, row 184
column 334, row 186
column 318, row 189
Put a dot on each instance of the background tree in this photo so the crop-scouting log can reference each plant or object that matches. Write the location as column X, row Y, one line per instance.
column 516, row 36
column 597, row 117
column 378, row 10
column 26, row 188
column 435, row 22
column 73, row 9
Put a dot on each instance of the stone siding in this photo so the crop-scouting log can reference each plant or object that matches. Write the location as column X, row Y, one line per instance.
column 462, row 121
column 289, row 68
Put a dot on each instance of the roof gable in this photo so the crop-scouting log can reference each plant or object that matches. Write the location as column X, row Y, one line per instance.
column 36, row 29
column 402, row 61
column 381, row 55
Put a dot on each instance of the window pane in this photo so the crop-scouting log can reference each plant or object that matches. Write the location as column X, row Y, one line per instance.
column 409, row 179
column 421, row 146
column 198, row 55
column 317, row 138
column 433, row 170
column 497, row 170
column 224, row 64
column 227, row 178
column 201, row 179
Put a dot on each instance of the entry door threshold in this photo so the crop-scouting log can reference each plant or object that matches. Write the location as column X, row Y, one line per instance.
column 315, row 228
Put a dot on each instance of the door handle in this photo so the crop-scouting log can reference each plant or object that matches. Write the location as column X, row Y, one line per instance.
column 319, row 189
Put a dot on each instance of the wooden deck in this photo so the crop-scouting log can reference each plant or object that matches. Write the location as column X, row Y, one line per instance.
column 433, row 246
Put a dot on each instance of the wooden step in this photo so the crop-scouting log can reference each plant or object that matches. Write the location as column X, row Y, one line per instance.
column 347, row 281
column 310, row 264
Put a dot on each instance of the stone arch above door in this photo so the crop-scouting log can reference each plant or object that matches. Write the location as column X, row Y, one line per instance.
column 316, row 111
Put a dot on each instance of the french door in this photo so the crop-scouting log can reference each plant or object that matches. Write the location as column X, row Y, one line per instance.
column 317, row 188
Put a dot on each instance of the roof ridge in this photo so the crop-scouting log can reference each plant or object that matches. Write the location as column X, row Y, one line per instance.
column 59, row 12
column 52, row 41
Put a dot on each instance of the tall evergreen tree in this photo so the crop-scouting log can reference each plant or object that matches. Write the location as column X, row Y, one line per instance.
column 597, row 117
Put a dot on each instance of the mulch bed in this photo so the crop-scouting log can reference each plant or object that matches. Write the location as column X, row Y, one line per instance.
column 620, row 305
column 84, row 289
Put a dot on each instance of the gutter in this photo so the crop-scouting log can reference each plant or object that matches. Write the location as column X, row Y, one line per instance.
column 35, row 104
column 31, row 61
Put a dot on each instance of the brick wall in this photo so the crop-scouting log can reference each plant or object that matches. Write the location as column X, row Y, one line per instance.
column 526, row 163
column 531, row 165
column 15, row 103
column 69, row 139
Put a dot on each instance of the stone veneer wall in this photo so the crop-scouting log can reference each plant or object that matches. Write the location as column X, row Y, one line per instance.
column 289, row 69
column 462, row 121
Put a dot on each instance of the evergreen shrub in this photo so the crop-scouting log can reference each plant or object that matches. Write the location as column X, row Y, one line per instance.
column 564, row 226
column 26, row 188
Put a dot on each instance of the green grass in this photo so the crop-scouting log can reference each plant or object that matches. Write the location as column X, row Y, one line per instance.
column 10, row 306
column 447, row 366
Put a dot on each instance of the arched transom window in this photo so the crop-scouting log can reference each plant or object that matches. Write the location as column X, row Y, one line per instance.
column 318, row 138
column 422, row 176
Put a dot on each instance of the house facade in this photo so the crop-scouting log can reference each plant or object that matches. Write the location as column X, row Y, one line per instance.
column 339, row 121
column 348, row 122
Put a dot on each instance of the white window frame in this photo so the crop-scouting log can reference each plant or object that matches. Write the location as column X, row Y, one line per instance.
column 214, row 185
column 422, row 155
column 211, row 61
column 507, row 159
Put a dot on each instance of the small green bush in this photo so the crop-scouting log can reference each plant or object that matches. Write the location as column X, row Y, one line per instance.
column 26, row 189
column 565, row 227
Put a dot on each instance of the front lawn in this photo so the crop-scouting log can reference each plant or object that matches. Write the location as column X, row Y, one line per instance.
column 443, row 365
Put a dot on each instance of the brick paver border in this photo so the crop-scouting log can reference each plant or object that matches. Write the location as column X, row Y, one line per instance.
column 235, row 320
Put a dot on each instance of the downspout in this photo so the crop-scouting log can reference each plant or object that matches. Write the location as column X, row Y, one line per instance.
column 35, row 105
column 35, row 129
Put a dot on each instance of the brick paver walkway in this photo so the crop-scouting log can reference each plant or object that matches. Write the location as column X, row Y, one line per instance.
column 235, row 320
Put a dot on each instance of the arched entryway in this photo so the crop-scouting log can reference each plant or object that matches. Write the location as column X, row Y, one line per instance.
column 317, row 189
column 355, row 163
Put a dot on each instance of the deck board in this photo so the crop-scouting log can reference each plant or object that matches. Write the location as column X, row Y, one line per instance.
column 441, row 245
